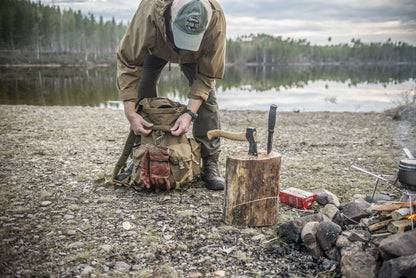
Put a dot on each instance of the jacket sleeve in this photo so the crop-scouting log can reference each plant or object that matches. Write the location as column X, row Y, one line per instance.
column 132, row 50
column 212, row 63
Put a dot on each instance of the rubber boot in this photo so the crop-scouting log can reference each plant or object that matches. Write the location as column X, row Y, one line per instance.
column 210, row 174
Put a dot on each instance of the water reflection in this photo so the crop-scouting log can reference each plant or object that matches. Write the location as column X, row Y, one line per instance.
column 341, row 88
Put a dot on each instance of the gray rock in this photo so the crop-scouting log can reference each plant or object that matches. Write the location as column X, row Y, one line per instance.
column 327, row 233
column 342, row 241
column 121, row 266
column 355, row 210
column 359, row 235
column 333, row 254
column 358, row 265
column 292, row 229
column 87, row 271
column 352, row 248
column 45, row 203
column 397, row 245
column 324, row 197
column 404, row 266
column 377, row 198
column 332, row 212
column 308, row 236
column 76, row 245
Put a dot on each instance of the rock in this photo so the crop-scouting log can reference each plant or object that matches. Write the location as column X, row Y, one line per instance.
column 358, row 265
column 404, row 266
column 324, row 197
column 121, row 266
column 352, row 248
column 327, row 265
column 359, row 235
column 308, row 236
column 86, row 272
column 377, row 198
column 219, row 273
column 355, row 210
column 76, row 245
column 342, row 241
column 196, row 275
column 71, row 232
column 292, row 229
column 106, row 247
column 332, row 212
column 333, row 254
column 397, row 245
column 327, row 233
column 45, row 203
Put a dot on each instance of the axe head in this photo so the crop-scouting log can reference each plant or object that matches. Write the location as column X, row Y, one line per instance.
column 250, row 135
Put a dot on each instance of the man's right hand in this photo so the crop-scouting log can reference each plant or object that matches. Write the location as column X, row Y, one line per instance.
column 137, row 123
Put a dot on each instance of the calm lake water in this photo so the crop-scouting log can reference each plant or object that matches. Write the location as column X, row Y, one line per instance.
column 340, row 88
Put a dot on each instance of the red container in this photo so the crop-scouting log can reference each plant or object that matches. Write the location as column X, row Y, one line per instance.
column 297, row 198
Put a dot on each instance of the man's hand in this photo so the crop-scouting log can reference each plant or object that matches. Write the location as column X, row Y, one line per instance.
column 181, row 125
column 137, row 123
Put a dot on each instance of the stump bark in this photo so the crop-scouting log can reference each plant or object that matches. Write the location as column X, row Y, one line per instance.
column 251, row 195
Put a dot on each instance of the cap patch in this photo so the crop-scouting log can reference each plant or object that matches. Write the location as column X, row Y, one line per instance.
column 192, row 24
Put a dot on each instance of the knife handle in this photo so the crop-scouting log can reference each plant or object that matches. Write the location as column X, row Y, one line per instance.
column 272, row 117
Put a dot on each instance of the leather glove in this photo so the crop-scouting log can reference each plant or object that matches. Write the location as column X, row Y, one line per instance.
column 159, row 167
column 144, row 170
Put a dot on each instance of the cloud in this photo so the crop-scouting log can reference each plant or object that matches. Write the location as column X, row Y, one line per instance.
column 314, row 20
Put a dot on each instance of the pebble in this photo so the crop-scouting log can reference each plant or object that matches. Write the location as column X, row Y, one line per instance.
column 87, row 271
column 121, row 266
column 45, row 203
column 71, row 232
column 106, row 247
column 76, row 245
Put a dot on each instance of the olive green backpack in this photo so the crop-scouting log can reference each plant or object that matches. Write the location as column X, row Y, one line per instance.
column 184, row 153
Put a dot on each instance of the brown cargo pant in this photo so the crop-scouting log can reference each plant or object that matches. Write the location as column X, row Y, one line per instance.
column 208, row 115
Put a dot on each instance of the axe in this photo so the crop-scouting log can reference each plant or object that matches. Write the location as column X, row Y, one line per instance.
column 250, row 135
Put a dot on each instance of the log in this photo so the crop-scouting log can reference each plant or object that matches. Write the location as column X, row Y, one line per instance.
column 251, row 196
column 379, row 225
column 401, row 213
column 399, row 226
column 390, row 206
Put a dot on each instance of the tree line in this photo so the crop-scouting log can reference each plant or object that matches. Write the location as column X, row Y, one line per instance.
column 38, row 28
column 43, row 30
column 267, row 49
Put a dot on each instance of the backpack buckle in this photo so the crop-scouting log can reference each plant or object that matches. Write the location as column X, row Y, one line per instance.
column 159, row 138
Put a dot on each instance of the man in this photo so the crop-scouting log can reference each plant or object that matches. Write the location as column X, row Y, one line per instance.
column 192, row 34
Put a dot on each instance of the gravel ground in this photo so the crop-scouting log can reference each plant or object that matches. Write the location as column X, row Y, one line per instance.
column 60, row 218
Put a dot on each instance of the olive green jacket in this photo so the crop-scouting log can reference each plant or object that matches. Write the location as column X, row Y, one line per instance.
column 146, row 34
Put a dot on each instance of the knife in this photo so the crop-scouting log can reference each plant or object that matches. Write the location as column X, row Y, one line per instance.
column 272, row 122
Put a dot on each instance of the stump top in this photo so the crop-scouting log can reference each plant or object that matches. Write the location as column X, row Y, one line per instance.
column 262, row 155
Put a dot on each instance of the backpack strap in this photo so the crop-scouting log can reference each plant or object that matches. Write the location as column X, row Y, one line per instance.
column 128, row 146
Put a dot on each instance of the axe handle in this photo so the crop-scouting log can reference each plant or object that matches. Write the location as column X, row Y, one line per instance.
column 229, row 135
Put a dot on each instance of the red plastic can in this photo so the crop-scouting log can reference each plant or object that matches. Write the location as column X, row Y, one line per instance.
column 297, row 198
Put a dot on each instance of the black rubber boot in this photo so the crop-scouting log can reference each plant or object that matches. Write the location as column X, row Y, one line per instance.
column 210, row 174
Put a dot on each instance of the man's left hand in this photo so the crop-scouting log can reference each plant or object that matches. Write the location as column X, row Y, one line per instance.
column 181, row 125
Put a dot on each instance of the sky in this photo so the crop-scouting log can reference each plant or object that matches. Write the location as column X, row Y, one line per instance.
column 313, row 20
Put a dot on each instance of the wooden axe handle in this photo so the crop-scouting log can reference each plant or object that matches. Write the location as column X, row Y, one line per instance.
column 229, row 135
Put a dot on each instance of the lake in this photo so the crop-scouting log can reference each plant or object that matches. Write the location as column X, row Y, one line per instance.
column 295, row 88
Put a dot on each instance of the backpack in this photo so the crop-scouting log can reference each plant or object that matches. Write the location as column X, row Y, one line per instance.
column 180, row 156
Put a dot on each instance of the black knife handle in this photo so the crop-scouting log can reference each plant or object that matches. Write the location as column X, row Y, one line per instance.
column 272, row 117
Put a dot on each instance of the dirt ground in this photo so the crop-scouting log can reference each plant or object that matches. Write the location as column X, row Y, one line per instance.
column 60, row 218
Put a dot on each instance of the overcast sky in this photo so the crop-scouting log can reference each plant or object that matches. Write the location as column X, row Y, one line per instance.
column 314, row 20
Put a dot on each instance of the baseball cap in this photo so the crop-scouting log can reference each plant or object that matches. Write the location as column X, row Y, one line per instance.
column 190, row 19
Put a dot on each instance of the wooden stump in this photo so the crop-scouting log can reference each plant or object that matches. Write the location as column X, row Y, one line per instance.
column 252, row 189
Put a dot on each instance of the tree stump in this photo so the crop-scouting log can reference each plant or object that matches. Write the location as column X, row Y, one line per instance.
column 252, row 189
